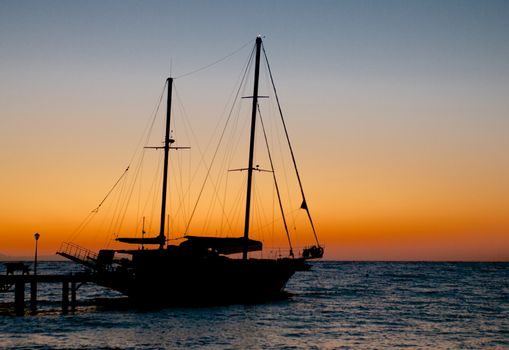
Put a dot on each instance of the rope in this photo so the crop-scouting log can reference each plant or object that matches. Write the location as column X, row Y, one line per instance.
column 90, row 216
column 111, row 190
column 213, row 63
column 129, row 191
column 219, row 143
column 275, row 182
column 304, row 203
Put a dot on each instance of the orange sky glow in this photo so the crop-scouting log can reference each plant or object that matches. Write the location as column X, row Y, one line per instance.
column 399, row 124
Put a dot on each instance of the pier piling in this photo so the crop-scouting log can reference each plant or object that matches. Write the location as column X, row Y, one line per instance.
column 19, row 298
column 65, row 297
column 33, row 295
column 73, row 295
column 71, row 281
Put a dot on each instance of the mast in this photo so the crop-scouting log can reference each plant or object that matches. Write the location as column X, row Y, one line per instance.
column 167, row 142
column 251, row 146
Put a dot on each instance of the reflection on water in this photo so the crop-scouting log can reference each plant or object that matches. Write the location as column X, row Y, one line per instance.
column 336, row 305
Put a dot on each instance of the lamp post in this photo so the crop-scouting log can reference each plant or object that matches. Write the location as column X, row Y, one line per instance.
column 33, row 286
column 36, row 236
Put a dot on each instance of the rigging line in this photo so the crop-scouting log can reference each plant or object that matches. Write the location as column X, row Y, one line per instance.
column 202, row 157
column 220, row 140
column 304, row 203
column 215, row 62
column 178, row 188
column 236, row 209
column 125, row 198
column 275, row 181
column 139, row 197
column 227, row 155
column 86, row 221
column 147, row 132
column 148, row 128
column 186, row 120
column 224, row 200
column 94, row 211
column 234, row 138
column 115, row 209
column 189, row 126
column 151, row 190
column 111, row 190
column 81, row 227
column 128, row 200
column 151, row 195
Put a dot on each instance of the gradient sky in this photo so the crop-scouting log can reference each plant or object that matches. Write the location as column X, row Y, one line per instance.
column 398, row 110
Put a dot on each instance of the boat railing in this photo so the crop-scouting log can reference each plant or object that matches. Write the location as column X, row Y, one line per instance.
column 306, row 252
column 78, row 252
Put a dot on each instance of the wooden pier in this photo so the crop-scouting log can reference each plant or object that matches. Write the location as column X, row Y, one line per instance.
column 69, row 283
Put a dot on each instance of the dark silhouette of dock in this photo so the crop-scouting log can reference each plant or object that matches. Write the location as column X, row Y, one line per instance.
column 17, row 284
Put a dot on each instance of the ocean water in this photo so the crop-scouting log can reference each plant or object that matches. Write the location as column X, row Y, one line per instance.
column 336, row 305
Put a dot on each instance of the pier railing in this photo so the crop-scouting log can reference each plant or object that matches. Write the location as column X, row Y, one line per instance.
column 73, row 250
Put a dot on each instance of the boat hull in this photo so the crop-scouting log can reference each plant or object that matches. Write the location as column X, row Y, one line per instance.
column 160, row 278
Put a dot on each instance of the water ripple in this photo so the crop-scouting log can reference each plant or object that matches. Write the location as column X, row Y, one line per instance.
column 337, row 305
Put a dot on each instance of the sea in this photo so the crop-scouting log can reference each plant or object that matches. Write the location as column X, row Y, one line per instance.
column 335, row 305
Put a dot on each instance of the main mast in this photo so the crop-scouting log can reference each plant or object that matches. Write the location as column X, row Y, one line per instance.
column 167, row 142
column 251, row 146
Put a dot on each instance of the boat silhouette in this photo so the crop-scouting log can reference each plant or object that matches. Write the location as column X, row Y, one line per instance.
column 200, row 269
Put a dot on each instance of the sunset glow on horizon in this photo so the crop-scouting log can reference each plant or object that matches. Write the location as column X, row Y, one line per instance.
column 398, row 114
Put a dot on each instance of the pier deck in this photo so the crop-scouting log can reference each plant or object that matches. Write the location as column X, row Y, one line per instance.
column 16, row 283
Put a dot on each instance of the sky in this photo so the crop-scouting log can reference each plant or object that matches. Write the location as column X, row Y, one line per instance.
column 398, row 112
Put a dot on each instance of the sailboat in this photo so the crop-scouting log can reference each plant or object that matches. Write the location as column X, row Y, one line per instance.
column 201, row 269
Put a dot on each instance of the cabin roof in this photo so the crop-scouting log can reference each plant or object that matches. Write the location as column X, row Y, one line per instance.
column 222, row 245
